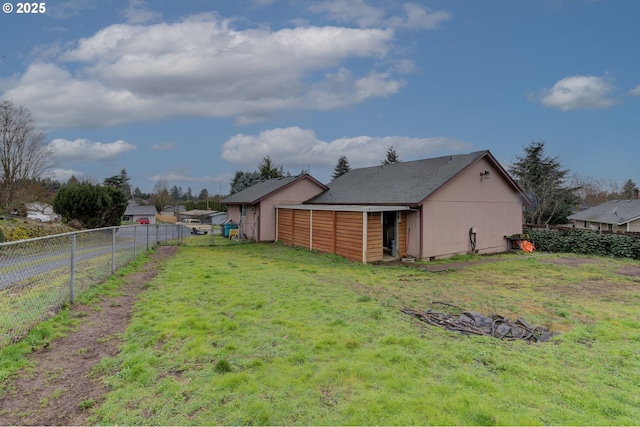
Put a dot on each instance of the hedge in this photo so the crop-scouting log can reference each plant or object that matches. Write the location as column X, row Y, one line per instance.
column 586, row 242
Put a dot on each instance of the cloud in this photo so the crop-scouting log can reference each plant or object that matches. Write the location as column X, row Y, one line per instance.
column 579, row 93
column 635, row 91
column 63, row 175
column 164, row 146
column 294, row 147
column 83, row 150
column 185, row 176
column 413, row 16
column 201, row 67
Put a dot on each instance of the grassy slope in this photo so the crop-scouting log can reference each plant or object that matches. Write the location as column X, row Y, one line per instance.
column 264, row 334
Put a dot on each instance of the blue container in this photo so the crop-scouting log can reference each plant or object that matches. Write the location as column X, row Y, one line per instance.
column 226, row 228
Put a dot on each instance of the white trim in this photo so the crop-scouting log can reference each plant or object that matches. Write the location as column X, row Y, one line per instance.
column 347, row 208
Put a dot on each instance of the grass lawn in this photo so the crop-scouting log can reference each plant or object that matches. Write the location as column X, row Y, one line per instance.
column 266, row 334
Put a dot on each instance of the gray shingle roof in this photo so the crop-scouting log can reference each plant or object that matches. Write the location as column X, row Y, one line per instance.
column 141, row 210
column 612, row 212
column 400, row 183
column 262, row 189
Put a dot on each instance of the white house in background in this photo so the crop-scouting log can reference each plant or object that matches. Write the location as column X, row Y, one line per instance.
column 614, row 215
column 134, row 213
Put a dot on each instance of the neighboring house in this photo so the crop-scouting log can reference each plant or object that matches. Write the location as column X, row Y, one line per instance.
column 204, row 215
column 218, row 217
column 428, row 209
column 134, row 213
column 614, row 215
column 253, row 208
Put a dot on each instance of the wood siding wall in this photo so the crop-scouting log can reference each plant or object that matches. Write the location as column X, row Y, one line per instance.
column 374, row 237
column 349, row 235
column 324, row 231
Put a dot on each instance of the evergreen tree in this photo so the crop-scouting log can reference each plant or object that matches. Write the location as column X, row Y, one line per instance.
column 93, row 205
column 628, row 190
column 392, row 157
column 242, row 180
column 542, row 178
column 341, row 168
column 268, row 170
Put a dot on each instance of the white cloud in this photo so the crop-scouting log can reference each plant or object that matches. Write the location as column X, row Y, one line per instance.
column 200, row 67
column 579, row 93
column 413, row 16
column 294, row 148
column 185, row 176
column 164, row 146
column 63, row 175
column 635, row 91
column 83, row 150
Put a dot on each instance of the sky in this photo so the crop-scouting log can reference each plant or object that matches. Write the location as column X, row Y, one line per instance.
column 188, row 92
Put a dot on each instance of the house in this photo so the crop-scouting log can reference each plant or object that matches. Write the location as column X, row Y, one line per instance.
column 218, row 217
column 253, row 208
column 428, row 209
column 204, row 215
column 134, row 213
column 614, row 215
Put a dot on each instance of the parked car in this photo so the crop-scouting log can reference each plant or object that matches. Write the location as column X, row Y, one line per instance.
column 39, row 217
column 143, row 220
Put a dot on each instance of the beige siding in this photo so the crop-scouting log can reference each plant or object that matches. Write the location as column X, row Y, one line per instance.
column 490, row 205
column 634, row 226
column 296, row 193
column 413, row 234
column 233, row 213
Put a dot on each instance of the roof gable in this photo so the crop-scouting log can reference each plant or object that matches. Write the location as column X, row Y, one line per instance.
column 406, row 183
column 611, row 212
column 263, row 189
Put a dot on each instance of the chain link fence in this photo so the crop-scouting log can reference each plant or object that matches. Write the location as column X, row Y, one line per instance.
column 39, row 276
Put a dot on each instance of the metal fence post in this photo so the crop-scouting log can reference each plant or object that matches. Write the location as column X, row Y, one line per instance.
column 135, row 243
column 73, row 269
column 113, row 250
column 147, row 227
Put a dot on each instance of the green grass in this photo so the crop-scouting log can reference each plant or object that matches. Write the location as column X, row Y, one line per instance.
column 264, row 334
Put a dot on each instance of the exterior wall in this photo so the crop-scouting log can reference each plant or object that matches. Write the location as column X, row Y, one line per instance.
column 349, row 235
column 296, row 193
column 402, row 235
column 325, row 231
column 491, row 205
column 413, row 234
column 634, row 226
column 374, row 237
column 233, row 213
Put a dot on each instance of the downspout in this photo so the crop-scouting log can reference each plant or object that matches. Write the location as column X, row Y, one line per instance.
column 277, row 212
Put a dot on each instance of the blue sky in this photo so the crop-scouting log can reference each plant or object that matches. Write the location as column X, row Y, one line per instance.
column 190, row 91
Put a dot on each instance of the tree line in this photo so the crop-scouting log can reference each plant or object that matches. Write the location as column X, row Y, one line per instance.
column 24, row 158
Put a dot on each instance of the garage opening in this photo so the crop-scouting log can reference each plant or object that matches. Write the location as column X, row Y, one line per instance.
column 390, row 234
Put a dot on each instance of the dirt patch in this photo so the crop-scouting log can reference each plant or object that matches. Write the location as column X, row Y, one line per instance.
column 630, row 270
column 593, row 289
column 574, row 262
column 59, row 389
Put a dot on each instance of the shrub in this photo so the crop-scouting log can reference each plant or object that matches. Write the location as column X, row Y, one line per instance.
column 586, row 242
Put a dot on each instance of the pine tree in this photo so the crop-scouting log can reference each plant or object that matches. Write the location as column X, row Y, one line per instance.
column 542, row 178
column 341, row 168
column 268, row 170
column 628, row 190
column 392, row 157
